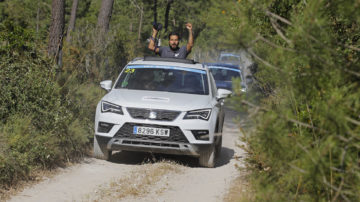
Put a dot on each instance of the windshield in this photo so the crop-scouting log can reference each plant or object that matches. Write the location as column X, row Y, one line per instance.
column 230, row 58
column 164, row 78
column 224, row 73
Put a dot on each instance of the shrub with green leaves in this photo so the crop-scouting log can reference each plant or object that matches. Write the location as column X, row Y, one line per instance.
column 306, row 144
column 39, row 127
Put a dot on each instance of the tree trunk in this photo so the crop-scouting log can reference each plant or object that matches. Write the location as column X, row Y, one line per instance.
column 131, row 22
column 72, row 20
column 104, row 18
column 140, row 24
column 56, row 28
column 37, row 18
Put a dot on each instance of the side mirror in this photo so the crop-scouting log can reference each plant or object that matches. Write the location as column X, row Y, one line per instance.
column 222, row 93
column 243, row 87
column 106, row 85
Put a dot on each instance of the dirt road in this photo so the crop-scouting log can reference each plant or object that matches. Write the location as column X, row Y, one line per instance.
column 123, row 179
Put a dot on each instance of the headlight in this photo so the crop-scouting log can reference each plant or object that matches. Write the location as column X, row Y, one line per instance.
column 109, row 107
column 203, row 114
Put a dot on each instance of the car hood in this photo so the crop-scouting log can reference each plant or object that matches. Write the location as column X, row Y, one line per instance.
column 157, row 100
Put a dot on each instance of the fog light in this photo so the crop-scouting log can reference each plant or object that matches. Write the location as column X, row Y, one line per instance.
column 201, row 134
column 104, row 127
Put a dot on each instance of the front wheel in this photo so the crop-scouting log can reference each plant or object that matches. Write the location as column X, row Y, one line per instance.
column 207, row 158
column 218, row 146
column 100, row 150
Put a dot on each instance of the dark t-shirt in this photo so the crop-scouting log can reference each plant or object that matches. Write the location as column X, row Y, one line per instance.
column 166, row 52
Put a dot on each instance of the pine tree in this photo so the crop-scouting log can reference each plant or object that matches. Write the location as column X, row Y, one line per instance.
column 56, row 29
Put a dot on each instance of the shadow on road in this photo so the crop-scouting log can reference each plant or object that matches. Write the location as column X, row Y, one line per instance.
column 138, row 158
column 225, row 156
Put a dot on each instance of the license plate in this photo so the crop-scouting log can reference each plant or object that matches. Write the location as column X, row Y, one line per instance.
column 162, row 132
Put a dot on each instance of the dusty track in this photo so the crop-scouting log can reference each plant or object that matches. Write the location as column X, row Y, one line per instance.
column 83, row 181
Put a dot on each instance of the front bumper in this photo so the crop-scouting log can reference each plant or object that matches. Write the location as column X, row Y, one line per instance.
column 157, row 147
column 180, row 142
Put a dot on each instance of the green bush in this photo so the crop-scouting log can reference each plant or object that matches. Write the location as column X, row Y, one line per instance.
column 40, row 126
column 306, row 143
column 47, row 111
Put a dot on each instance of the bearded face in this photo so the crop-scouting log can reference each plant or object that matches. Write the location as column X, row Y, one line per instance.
column 174, row 42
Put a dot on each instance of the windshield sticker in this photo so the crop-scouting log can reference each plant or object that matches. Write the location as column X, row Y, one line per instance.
column 164, row 67
column 217, row 67
column 129, row 70
column 124, row 84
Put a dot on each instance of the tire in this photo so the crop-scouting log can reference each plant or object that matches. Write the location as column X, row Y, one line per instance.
column 100, row 150
column 218, row 147
column 207, row 158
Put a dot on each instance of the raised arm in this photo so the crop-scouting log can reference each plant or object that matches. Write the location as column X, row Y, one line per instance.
column 152, row 45
column 190, row 43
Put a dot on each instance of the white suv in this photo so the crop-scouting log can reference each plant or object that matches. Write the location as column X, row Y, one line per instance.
column 161, row 105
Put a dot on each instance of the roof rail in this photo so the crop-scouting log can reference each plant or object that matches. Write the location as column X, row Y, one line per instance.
column 222, row 65
column 136, row 59
column 152, row 58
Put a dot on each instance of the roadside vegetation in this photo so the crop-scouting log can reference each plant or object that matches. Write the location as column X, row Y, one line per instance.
column 306, row 141
column 47, row 107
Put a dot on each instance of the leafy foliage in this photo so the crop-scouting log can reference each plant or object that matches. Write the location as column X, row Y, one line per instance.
column 38, row 125
column 306, row 143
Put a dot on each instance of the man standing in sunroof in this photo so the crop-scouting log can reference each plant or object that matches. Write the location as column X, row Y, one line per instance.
column 173, row 50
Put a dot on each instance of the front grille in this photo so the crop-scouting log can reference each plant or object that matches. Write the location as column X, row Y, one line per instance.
column 159, row 144
column 176, row 135
column 161, row 115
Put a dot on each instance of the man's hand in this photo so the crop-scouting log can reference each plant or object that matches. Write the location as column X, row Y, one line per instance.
column 189, row 26
column 152, row 45
column 154, row 32
column 190, row 43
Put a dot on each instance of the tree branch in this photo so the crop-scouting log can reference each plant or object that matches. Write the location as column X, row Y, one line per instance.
column 254, row 41
column 352, row 47
column 352, row 72
column 135, row 4
column 336, row 189
column 263, row 61
column 270, row 14
column 356, row 122
column 273, row 44
column 279, row 32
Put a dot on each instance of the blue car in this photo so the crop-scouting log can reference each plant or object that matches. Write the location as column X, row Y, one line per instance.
column 230, row 58
column 224, row 73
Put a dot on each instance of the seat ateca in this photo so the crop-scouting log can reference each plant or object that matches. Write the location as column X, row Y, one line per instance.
column 161, row 105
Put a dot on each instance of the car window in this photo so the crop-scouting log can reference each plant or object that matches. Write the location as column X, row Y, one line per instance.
column 229, row 59
column 164, row 78
column 224, row 74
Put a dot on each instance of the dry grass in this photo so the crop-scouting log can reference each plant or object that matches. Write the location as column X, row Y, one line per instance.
column 141, row 181
column 239, row 190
